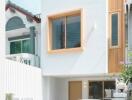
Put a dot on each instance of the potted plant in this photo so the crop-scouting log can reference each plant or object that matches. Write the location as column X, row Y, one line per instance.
column 126, row 75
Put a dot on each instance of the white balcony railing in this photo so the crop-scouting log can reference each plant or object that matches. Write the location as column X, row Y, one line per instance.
column 25, row 58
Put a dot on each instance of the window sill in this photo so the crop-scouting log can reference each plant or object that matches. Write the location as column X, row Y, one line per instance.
column 58, row 51
column 114, row 47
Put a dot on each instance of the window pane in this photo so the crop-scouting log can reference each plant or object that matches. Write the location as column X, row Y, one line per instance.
column 26, row 46
column 108, row 85
column 114, row 29
column 95, row 90
column 58, row 33
column 73, row 32
column 15, row 47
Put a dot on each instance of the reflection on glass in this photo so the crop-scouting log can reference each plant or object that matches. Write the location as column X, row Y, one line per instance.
column 109, row 85
column 73, row 31
column 20, row 46
column 26, row 46
column 58, row 33
column 15, row 47
column 95, row 90
column 114, row 29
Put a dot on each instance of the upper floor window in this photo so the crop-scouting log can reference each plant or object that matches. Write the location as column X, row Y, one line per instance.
column 20, row 46
column 14, row 23
column 114, row 29
column 65, row 30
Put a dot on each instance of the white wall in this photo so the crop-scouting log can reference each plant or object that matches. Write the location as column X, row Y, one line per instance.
column 21, row 80
column 55, row 89
column 95, row 53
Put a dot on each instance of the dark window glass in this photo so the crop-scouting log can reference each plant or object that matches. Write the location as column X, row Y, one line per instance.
column 15, row 47
column 22, row 46
column 26, row 46
column 110, row 85
column 14, row 23
column 58, row 33
column 66, row 32
column 114, row 29
column 96, row 90
column 73, row 32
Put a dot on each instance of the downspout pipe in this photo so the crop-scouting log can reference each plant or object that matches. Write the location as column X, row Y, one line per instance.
column 32, row 40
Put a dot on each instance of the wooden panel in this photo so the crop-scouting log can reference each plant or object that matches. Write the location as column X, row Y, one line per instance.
column 112, row 5
column 115, row 5
column 116, row 54
column 75, row 90
column 120, row 4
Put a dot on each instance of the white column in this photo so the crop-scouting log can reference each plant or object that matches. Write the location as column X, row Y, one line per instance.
column 85, row 89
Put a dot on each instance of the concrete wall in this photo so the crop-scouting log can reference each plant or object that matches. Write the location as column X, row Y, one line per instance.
column 95, row 52
column 25, row 82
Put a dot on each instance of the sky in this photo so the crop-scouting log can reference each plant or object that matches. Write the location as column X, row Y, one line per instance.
column 33, row 6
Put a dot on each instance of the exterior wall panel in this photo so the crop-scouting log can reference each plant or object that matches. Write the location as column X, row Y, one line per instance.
column 116, row 54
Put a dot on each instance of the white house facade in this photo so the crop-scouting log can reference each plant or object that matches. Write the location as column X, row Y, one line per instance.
column 82, row 47
column 79, row 45
column 22, row 35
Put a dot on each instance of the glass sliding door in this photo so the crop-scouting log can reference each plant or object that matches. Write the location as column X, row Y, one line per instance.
column 98, row 89
column 95, row 90
column 109, row 86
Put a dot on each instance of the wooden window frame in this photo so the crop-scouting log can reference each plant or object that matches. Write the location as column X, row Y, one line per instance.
column 59, row 15
column 119, row 29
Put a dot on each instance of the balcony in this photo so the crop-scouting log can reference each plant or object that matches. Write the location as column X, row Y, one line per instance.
column 25, row 58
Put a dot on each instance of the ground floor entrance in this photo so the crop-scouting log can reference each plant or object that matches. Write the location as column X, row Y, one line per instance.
column 77, row 88
column 96, row 89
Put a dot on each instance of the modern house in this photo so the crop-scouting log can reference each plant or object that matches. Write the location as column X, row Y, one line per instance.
column 82, row 47
column 23, row 30
column 79, row 45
